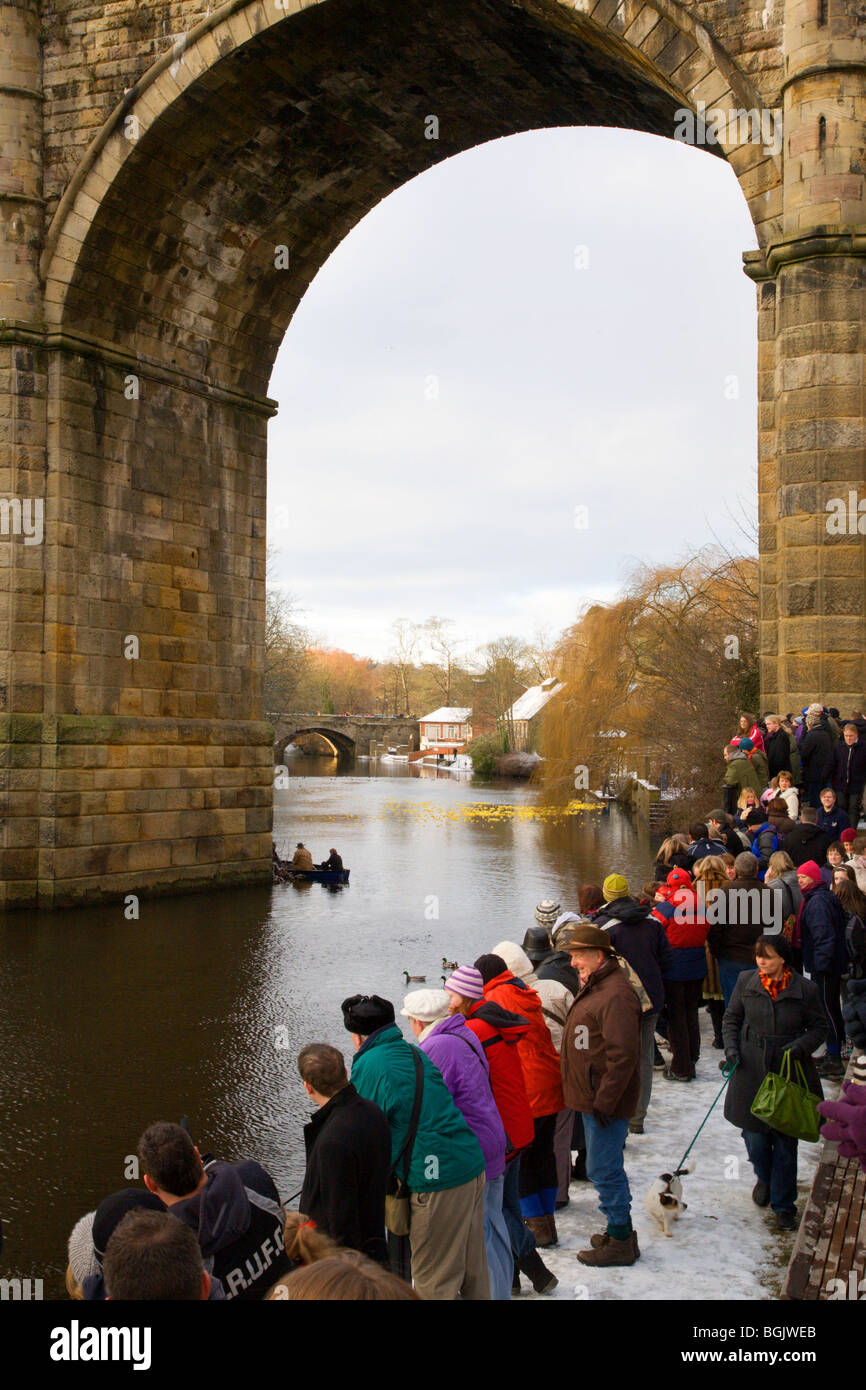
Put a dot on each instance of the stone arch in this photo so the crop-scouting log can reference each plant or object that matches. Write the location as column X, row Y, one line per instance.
column 212, row 133
column 342, row 744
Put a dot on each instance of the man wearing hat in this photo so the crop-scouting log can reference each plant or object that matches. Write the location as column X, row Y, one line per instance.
column 601, row 1079
column 302, row 859
column 445, row 1167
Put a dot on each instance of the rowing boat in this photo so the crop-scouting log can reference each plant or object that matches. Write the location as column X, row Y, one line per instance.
column 321, row 875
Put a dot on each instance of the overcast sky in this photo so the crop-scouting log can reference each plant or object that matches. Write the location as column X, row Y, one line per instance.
column 553, row 321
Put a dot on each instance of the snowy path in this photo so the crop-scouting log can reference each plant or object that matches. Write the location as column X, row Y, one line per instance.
column 723, row 1246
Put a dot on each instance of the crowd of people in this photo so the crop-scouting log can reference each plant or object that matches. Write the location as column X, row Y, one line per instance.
column 435, row 1169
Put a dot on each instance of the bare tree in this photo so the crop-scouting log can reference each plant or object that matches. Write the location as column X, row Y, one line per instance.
column 406, row 639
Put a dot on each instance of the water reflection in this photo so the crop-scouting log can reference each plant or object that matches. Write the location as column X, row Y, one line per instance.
column 201, row 1006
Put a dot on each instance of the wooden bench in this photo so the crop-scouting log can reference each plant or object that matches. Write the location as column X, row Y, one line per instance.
column 828, row 1261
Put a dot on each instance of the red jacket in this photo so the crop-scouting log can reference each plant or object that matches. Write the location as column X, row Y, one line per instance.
column 538, row 1057
column 499, row 1033
column 687, row 926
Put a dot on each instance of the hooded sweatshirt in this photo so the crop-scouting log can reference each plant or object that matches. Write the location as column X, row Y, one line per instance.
column 238, row 1222
column 538, row 1057
column 556, row 998
column 499, row 1031
column 460, row 1057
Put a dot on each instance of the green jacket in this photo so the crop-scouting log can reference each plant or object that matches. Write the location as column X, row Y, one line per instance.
column 446, row 1152
column 740, row 773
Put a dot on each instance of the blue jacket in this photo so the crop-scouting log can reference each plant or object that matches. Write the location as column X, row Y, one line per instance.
column 446, row 1152
column 701, row 849
column 833, row 823
column 822, row 924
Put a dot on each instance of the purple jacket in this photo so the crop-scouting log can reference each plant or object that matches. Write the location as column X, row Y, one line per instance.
column 449, row 1045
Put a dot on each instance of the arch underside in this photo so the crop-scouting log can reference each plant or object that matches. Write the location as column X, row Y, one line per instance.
column 342, row 745
column 289, row 139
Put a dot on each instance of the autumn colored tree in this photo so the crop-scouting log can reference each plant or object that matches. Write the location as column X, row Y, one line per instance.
column 286, row 647
column 660, row 673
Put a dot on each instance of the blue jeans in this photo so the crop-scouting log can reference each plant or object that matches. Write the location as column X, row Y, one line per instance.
column 774, row 1159
column 729, row 971
column 500, row 1261
column 522, row 1239
column 605, row 1169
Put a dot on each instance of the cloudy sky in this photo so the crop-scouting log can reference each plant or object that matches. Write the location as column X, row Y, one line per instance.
column 551, row 322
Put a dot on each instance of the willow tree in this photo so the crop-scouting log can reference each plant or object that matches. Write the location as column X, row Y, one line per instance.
column 662, row 671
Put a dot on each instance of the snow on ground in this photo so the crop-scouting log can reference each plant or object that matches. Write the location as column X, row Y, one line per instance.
column 723, row 1246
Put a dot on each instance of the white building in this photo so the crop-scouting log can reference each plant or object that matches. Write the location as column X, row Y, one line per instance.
column 446, row 730
column 519, row 721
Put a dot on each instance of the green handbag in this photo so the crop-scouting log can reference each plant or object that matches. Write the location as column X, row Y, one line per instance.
column 786, row 1105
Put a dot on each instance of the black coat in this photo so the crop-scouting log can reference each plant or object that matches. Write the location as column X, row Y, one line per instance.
column 661, row 871
column 739, row 912
column 815, row 752
column 348, row 1145
column 557, row 966
column 806, row 842
column 759, row 1029
column 778, row 749
column 846, row 772
column 641, row 940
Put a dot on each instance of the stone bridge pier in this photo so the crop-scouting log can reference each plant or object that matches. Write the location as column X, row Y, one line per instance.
column 173, row 177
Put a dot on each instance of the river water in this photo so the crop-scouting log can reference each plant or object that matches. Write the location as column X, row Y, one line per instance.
column 200, row 1007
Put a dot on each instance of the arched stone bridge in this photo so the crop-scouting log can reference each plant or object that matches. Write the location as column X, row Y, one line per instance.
column 174, row 174
column 351, row 734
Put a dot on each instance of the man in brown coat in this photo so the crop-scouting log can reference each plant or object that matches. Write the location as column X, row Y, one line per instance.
column 302, row 859
column 601, row 1078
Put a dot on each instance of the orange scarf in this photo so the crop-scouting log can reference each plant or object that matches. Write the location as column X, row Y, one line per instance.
column 775, row 987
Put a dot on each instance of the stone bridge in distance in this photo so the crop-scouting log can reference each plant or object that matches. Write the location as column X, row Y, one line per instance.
column 351, row 734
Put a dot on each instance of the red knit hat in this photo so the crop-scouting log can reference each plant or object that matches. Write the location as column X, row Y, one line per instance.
column 847, row 836
column 810, row 870
column 679, row 878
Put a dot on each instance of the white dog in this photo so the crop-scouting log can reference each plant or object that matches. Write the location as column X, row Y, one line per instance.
column 664, row 1201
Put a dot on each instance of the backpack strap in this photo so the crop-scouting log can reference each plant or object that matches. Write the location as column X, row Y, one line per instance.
column 409, row 1143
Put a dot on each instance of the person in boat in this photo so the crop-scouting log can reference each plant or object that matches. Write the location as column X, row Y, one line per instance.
column 302, row 859
column 333, row 864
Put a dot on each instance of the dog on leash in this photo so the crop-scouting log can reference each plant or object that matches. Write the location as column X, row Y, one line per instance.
column 664, row 1201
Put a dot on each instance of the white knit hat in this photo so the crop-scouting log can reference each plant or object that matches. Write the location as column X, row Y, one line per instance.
column 515, row 958
column 427, row 1005
column 82, row 1260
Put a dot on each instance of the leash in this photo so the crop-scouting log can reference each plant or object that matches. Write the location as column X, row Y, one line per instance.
column 728, row 1075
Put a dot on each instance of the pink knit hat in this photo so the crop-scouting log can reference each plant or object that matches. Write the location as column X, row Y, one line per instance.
column 810, row 870
column 467, row 982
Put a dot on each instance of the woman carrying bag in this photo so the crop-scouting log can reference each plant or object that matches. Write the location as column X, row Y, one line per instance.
column 773, row 1010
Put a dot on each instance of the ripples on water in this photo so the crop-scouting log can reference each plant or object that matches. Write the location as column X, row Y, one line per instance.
column 107, row 1024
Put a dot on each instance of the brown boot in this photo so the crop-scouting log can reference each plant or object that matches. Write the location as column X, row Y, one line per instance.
column 551, row 1229
column 597, row 1241
column 539, row 1227
column 612, row 1252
